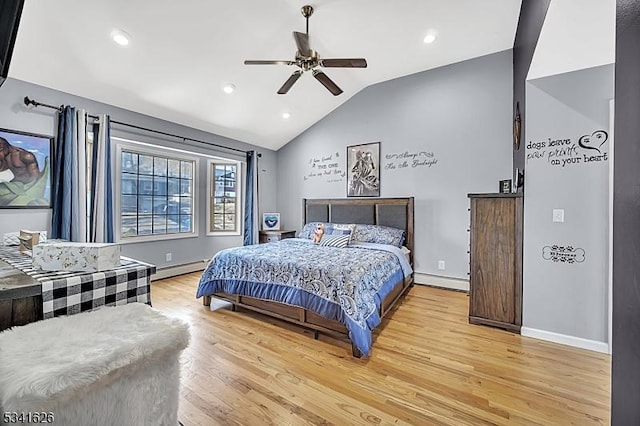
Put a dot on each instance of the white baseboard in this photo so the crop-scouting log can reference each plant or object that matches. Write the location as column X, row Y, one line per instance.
column 444, row 282
column 172, row 271
column 577, row 342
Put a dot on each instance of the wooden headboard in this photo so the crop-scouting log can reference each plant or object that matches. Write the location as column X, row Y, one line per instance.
column 394, row 212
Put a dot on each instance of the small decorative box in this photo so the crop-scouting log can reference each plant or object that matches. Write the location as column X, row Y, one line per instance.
column 68, row 256
column 13, row 238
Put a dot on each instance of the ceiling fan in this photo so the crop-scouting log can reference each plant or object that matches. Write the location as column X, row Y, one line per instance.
column 307, row 59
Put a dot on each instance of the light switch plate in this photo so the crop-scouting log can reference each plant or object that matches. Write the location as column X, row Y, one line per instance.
column 558, row 215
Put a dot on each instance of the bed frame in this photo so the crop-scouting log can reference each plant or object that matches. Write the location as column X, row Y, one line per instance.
column 395, row 212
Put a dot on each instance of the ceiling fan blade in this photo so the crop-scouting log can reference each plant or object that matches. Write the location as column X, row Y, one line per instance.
column 302, row 41
column 269, row 62
column 344, row 63
column 290, row 82
column 327, row 82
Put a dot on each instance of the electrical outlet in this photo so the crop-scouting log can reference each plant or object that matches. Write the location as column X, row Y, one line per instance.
column 168, row 257
column 441, row 265
column 558, row 215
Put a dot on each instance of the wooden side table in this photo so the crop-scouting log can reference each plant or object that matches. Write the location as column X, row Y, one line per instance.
column 268, row 236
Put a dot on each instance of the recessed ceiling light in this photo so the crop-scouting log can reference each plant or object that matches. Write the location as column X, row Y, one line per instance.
column 120, row 37
column 286, row 115
column 228, row 88
column 432, row 35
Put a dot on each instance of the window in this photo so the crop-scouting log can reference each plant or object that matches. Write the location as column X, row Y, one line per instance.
column 224, row 208
column 156, row 194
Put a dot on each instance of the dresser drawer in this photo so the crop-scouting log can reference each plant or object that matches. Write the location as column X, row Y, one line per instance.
column 273, row 236
column 269, row 238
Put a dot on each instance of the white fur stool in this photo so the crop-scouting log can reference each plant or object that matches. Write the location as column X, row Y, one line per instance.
column 113, row 366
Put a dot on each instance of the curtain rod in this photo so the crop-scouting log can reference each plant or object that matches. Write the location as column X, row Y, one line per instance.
column 28, row 101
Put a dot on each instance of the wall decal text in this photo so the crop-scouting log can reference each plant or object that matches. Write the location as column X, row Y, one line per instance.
column 409, row 160
column 325, row 167
column 564, row 254
column 565, row 152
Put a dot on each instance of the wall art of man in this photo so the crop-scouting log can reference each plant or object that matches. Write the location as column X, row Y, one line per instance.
column 22, row 183
column 17, row 164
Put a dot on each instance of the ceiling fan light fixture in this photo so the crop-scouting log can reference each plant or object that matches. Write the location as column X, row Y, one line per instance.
column 228, row 88
column 120, row 38
column 432, row 35
column 286, row 115
column 307, row 59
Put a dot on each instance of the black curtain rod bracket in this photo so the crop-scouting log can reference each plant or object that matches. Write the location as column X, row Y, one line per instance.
column 28, row 101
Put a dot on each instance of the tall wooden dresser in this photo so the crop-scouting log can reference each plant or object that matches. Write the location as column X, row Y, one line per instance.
column 495, row 276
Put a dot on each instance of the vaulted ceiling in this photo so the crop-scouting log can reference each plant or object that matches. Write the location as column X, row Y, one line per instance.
column 181, row 53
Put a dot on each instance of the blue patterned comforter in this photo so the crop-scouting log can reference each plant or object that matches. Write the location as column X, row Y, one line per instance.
column 343, row 284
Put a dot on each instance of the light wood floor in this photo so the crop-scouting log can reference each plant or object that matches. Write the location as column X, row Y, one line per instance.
column 428, row 367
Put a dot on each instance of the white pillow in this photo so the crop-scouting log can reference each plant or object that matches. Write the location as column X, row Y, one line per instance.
column 406, row 252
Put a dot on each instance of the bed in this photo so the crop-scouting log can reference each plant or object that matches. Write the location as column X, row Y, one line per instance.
column 344, row 292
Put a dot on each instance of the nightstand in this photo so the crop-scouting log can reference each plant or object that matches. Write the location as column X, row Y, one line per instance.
column 268, row 236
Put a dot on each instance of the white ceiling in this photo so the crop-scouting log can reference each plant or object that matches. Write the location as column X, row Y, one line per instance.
column 182, row 52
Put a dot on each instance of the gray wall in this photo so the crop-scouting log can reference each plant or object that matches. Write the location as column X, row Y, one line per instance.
column 460, row 113
column 625, row 374
column 16, row 116
column 568, row 298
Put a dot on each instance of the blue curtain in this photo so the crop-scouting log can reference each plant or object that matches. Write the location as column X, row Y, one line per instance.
column 250, row 200
column 101, row 218
column 63, row 173
column 69, row 217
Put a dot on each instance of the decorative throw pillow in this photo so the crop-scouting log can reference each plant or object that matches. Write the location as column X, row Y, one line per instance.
column 378, row 234
column 336, row 240
column 309, row 229
column 340, row 229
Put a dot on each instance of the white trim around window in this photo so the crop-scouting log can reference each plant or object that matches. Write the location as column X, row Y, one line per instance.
column 156, row 151
column 239, row 196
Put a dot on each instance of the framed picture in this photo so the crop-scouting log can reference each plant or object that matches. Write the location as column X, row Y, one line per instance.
column 25, row 170
column 505, row 186
column 271, row 221
column 363, row 170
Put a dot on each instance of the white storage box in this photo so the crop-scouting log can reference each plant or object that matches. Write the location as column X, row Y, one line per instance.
column 68, row 256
